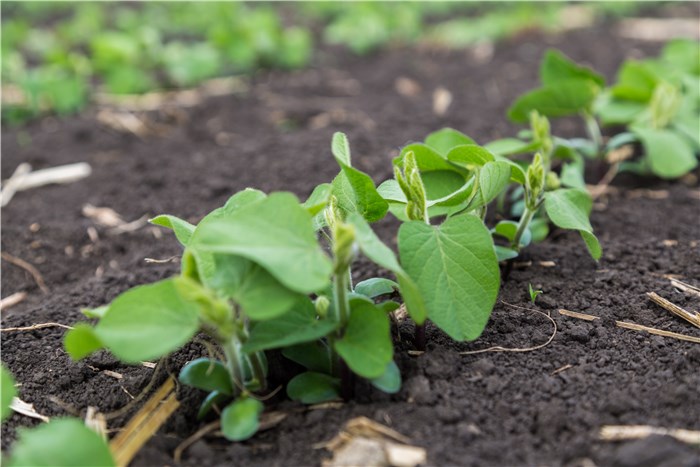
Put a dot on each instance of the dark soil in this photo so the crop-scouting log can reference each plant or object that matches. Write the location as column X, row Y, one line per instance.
column 543, row 407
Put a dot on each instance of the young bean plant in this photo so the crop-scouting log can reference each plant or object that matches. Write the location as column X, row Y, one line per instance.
column 252, row 260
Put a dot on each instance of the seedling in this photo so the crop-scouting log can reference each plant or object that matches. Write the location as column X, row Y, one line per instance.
column 454, row 264
column 344, row 332
column 252, row 260
column 533, row 293
column 659, row 102
column 567, row 208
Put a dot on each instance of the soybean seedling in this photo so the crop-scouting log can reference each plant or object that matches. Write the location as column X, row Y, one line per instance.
column 252, row 260
column 344, row 332
column 440, row 191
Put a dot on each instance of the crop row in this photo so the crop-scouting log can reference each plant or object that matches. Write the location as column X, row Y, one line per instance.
column 55, row 53
column 268, row 272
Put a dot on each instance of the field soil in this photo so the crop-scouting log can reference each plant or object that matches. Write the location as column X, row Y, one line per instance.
column 543, row 406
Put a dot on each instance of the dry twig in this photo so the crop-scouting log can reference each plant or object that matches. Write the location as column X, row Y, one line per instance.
column 12, row 300
column 26, row 409
column 498, row 348
column 633, row 326
column 145, row 423
column 691, row 317
column 34, row 327
column 199, row 434
column 38, row 278
column 625, row 432
column 685, row 287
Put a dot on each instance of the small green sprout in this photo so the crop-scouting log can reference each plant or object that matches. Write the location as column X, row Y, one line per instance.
column 533, row 293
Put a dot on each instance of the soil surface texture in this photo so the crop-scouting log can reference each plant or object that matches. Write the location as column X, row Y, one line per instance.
column 538, row 407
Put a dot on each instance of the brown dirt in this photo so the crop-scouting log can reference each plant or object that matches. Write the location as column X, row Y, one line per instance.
column 484, row 409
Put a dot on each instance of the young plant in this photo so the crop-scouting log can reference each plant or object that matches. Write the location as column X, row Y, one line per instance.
column 451, row 180
column 567, row 89
column 252, row 260
column 343, row 332
column 659, row 102
column 567, row 208
column 533, row 293
column 45, row 445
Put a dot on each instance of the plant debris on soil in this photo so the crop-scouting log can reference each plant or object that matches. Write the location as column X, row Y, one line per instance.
column 546, row 406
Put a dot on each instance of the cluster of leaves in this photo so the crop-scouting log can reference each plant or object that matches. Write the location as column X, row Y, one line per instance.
column 131, row 49
column 268, row 272
column 657, row 100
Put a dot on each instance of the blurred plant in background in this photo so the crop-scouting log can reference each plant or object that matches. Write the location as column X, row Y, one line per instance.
column 54, row 54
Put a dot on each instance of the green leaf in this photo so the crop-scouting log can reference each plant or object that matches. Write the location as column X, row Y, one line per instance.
column 390, row 381
column 564, row 98
column 469, row 156
column 508, row 229
column 557, row 68
column 242, row 199
column 509, row 147
column 447, row 138
column 569, row 209
column 148, row 322
column 259, row 293
column 366, row 345
column 493, row 179
column 614, row 111
column 8, row 392
column 356, row 192
column 207, row 374
column 313, row 388
column 504, row 253
column 635, row 82
column 81, row 341
column 276, row 233
column 427, row 158
column 298, row 325
column 391, row 191
column 241, row 419
column 183, row 230
column 669, row 154
column 314, row 356
column 341, row 148
column 539, row 229
column 98, row 312
column 572, row 175
column 64, row 442
column 376, row 286
column 374, row 249
column 318, row 199
column 214, row 398
column 456, row 270
column 683, row 53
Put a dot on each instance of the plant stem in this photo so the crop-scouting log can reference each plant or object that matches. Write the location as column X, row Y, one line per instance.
column 342, row 306
column 234, row 363
column 524, row 223
column 258, row 370
column 593, row 131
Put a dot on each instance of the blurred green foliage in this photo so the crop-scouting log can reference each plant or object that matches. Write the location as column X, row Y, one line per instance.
column 55, row 53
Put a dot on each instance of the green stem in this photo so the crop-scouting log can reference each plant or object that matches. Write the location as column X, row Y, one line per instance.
column 340, row 295
column 234, row 362
column 593, row 131
column 524, row 223
column 258, row 368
